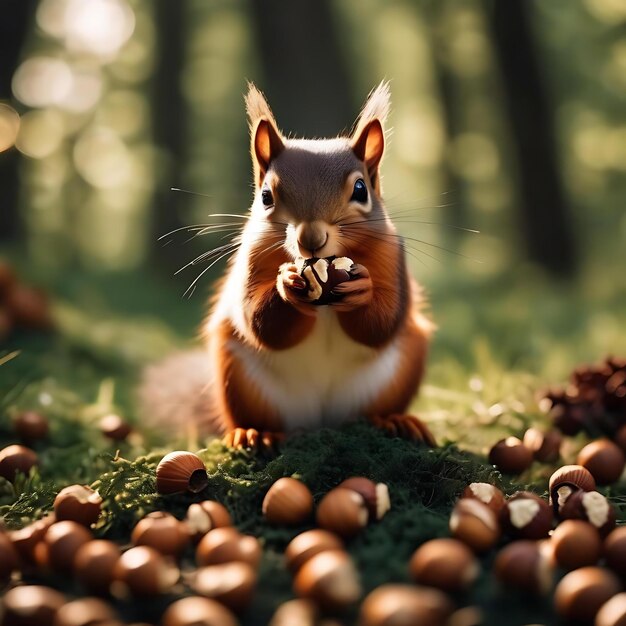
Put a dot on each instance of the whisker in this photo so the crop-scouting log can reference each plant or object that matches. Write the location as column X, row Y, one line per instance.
column 357, row 242
column 191, row 193
column 204, row 271
column 206, row 255
column 407, row 220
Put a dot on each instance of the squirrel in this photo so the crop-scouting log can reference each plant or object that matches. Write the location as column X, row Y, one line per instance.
column 275, row 362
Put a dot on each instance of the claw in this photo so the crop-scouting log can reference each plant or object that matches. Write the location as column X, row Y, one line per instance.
column 406, row 427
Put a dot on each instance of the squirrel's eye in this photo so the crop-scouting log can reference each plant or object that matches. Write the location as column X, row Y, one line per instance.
column 359, row 193
column 266, row 196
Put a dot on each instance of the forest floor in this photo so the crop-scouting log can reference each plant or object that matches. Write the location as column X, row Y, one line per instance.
column 477, row 391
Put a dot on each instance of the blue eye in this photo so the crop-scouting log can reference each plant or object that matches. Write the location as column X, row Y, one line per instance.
column 267, row 198
column 359, row 193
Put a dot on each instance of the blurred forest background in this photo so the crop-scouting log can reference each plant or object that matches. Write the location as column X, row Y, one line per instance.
column 508, row 118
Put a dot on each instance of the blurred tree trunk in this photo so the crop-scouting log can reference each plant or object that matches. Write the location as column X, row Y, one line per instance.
column 545, row 215
column 168, row 122
column 16, row 17
column 306, row 78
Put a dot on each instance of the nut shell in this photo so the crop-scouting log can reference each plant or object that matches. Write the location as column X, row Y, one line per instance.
column 592, row 507
column 161, row 531
column 323, row 275
column 232, row 584
column 9, row 559
column 143, row 572
column 78, row 503
column 615, row 551
column 522, row 564
column 376, row 495
column 16, row 458
column 475, row 524
column 510, row 456
column 94, row 565
column 527, row 516
column 204, row 516
column 295, row 613
column 487, row 494
column 447, row 564
column 604, row 459
column 288, row 502
column 31, row 426
column 329, row 579
column 31, row 605
column 181, row 471
column 342, row 511
column 575, row 544
column 84, row 612
column 307, row 544
column 114, row 427
column 60, row 545
column 223, row 545
column 566, row 480
column 193, row 611
column 612, row 612
column 25, row 539
column 405, row 605
column 545, row 446
column 580, row 594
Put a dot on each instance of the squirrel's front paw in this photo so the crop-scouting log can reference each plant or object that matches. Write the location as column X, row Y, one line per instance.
column 293, row 289
column 354, row 293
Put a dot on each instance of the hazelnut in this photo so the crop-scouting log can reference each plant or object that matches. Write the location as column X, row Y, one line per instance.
column 223, row 545
column 31, row 426
column 78, row 503
column 446, row 564
column 25, row 539
column 94, row 565
column 181, row 471
column 16, row 458
column 342, row 511
column 405, row 605
column 612, row 612
column 323, row 275
column 527, row 516
column 307, row 544
column 467, row 616
column 487, row 494
column 510, row 456
column 580, row 594
column 232, row 584
column 31, row 605
column 566, row 480
column 9, row 560
column 295, row 613
column 475, row 524
column 160, row 531
column 592, row 507
column 329, row 579
column 615, row 550
column 29, row 307
column 60, row 545
column 288, row 502
column 620, row 438
column 84, row 612
column 524, row 565
column 194, row 610
column 142, row 571
column 114, row 427
column 604, row 459
column 376, row 495
column 576, row 544
column 204, row 516
column 545, row 447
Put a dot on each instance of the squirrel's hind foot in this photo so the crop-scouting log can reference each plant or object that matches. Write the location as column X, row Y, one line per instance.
column 250, row 438
column 404, row 426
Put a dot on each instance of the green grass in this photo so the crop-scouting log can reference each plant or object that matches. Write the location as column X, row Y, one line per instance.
column 486, row 367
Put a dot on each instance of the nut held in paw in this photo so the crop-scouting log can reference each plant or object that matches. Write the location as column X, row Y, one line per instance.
column 323, row 275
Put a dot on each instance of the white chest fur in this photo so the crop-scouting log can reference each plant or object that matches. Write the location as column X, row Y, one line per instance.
column 326, row 379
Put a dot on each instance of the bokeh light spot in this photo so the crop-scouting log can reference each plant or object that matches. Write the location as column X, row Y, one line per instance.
column 9, row 126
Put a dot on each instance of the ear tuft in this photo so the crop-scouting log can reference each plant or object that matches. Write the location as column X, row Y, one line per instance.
column 257, row 107
column 376, row 107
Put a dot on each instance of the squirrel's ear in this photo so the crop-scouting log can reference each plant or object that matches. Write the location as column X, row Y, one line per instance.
column 267, row 142
column 368, row 138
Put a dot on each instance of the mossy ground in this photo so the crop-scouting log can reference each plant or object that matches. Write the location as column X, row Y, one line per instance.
column 78, row 374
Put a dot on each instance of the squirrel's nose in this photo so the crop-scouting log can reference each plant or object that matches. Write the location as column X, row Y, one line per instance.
column 311, row 236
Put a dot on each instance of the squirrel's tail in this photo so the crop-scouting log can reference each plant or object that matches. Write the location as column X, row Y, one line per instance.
column 177, row 392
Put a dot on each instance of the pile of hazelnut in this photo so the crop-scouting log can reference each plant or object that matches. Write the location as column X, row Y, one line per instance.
column 21, row 306
column 573, row 531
